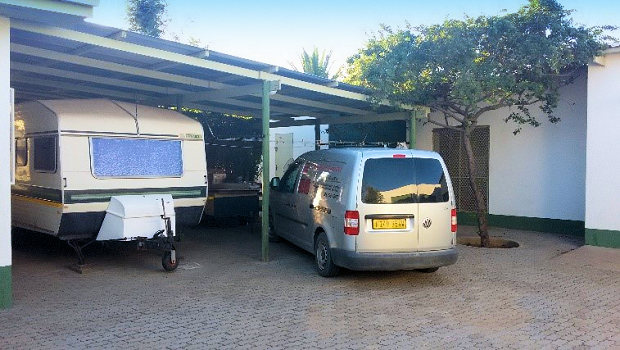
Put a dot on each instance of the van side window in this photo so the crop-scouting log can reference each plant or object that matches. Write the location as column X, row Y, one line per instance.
column 21, row 151
column 45, row 153
column 287, row 184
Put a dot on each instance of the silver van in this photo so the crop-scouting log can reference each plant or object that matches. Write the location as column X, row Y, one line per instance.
column 367, row 209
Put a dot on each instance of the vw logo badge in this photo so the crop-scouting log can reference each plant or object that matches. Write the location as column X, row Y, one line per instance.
column 427, row 223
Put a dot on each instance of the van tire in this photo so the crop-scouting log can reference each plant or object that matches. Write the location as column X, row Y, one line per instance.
column 428, row 270
column 323, row 257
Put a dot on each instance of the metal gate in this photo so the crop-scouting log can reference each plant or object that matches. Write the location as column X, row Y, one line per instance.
column 449, row 144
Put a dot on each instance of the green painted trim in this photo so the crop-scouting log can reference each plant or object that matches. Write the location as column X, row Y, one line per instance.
column 6, row 290
column 603, row 238
column 466, row 218
column 569, row 227
column 91, row 196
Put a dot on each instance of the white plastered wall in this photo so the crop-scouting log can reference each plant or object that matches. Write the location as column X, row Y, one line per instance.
column 539, row 172
column 5, row 142
column 603, row 150
column 303, row 141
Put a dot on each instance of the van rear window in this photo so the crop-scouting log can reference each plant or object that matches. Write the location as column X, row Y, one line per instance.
column 404, row 180
column 130, row 158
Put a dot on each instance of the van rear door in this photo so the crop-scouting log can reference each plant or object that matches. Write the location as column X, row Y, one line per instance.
column 404, row 204
column 387, row 204
column 434, row 231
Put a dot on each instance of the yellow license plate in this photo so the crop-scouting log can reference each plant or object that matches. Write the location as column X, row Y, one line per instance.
column 389, row 224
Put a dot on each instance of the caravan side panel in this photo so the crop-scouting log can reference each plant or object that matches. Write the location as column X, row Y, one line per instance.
column 36, row 199
column 87, row 196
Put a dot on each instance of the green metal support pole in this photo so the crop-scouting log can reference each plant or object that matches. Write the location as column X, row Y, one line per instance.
column 412, row 129
column 265, row 204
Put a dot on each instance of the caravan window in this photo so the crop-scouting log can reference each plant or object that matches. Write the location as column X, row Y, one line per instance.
column 120, row 157
column 45, row 154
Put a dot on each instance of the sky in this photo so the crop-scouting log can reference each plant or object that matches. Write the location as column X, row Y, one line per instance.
column 276, row 31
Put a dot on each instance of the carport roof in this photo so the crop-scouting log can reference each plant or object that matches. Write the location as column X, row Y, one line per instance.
column 84, row 60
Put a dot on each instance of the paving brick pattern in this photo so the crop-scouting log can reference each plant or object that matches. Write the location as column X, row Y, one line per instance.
column 223, row 297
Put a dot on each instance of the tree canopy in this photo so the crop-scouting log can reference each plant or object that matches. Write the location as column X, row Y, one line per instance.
column 465, row 68
column 147, row 16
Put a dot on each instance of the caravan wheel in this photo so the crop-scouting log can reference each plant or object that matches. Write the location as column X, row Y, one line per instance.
column 167, row 263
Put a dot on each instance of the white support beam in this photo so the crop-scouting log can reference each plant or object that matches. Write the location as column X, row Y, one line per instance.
column 113, row 67
column 55, row 72
column 317, row 104
column 272, row 69
column 167, row 64
column 253, row 105
column 230, row 92
column 80, row 88
column 118, row 35
column 180, row 58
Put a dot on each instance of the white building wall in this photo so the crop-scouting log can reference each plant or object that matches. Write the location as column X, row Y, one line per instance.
column 303, row 141
column 539, row 172
column 603, row 155
column 5, row 142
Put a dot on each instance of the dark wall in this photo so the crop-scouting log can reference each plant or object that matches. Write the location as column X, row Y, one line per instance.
column 370, row 133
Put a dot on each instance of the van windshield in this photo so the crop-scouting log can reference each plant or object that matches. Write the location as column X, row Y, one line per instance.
column 404, row 180
column 130, row 158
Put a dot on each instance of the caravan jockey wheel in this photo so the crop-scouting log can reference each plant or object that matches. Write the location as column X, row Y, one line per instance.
column 167, row 261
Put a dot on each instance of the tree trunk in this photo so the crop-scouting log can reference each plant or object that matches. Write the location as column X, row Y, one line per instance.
column 481, row 212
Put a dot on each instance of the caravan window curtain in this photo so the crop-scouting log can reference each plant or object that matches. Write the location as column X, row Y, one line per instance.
column 134, row 158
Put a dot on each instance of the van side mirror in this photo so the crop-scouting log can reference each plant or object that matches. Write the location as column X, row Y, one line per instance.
column 274, row 183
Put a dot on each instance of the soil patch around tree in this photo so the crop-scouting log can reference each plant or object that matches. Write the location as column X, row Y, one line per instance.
column 495, row 242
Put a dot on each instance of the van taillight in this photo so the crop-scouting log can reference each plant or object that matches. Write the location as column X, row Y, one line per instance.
column 351, row 222
column 453, row 220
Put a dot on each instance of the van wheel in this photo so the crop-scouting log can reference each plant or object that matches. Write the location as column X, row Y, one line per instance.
column 323, row 257
column 429, row 270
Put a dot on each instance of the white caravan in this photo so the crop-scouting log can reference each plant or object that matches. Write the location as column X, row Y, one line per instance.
column 80, row 161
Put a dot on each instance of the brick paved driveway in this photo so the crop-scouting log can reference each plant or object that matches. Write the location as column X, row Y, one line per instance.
column 222, row 296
